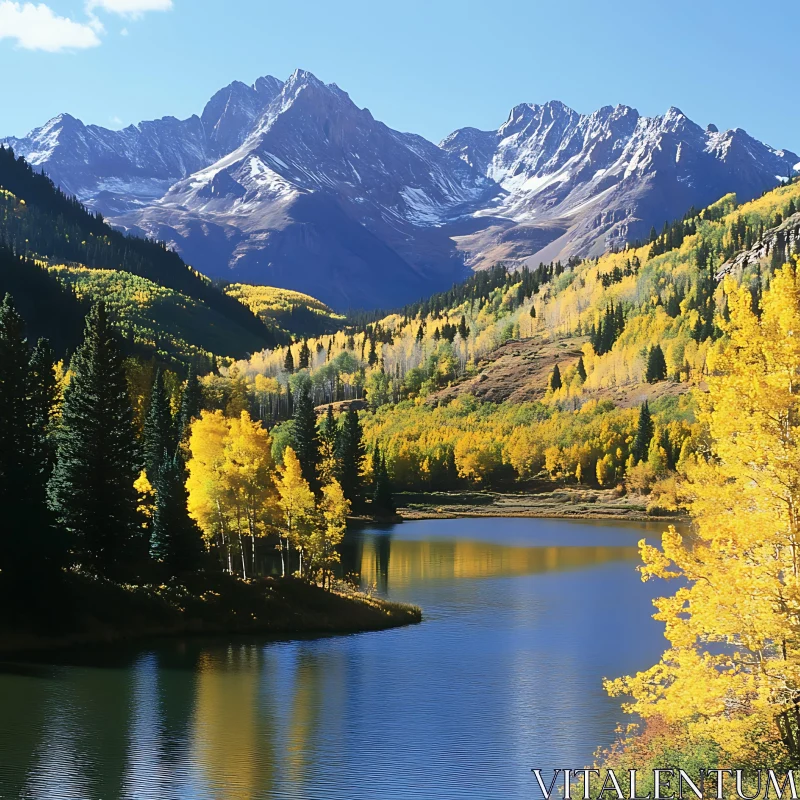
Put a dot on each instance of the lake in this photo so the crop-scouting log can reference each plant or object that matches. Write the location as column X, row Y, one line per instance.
column 523, row 620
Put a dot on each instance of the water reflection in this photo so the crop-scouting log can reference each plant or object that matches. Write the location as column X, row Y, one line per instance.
column 388, row 564
column 460, row 707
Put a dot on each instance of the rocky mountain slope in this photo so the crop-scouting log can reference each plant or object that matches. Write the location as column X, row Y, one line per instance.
column 580, row 185
column 291, row 184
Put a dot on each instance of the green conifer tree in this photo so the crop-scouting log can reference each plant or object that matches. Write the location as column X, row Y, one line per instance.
column 656, row 365
column 191, row 404
column 175, row 539
column 98, row 460
column 328, row 431
column 350, row 454
column 305, row 442
column 555, row 379
column 382, row 494
column 288, row 361
column 159, row 430
column 581, row 369
column 304, row 359
column 28, row 543
column 644, row 433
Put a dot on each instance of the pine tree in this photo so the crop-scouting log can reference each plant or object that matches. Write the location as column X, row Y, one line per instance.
column 191, row 404
column 305, row 442
column 644, row 433
column 533, row 311
column 581, row 369
column 175, row 539
column 555, row 379
column 98, row 461
column 159, row 430
column 328, row 437
column 463, row 329
column 288, row 362
column 656, row 365
column 350, row 457
column 27, row 396
column 304, row 360
column 382, row 494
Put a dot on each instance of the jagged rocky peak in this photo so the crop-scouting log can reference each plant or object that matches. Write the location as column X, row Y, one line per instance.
column 291, row 183
column 229, row 115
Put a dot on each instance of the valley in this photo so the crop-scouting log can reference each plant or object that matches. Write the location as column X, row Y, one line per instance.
column 422, row 434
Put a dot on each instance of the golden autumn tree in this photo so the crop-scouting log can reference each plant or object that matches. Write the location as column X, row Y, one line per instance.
column 297, row 504
column 329, row 531
column 230, row 483
column 248, row 488
column 732, row 672
column 207, row 503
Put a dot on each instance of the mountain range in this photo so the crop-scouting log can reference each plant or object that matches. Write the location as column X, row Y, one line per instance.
column 291, row 184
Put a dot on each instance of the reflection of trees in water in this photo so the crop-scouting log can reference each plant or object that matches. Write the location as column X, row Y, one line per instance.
column 231, row 744
column 84, row 735
column 304, row 720
column 23, row 717
column 383, row 547
column 415, row 561
column 351, row 551
column 231, row 723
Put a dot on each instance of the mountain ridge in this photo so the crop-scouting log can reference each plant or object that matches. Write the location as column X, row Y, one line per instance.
column 291, row 184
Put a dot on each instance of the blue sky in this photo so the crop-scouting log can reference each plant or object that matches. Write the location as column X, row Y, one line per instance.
column 427, row 67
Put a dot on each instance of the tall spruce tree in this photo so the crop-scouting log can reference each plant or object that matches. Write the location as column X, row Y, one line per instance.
column 350, row 453
column 382, row 494
column 28, row 542
column 656, row 365
column 97, row 461
column 159, row 429
column 555, row 379
column 191, row 404
column 581, row 369
column 304, row 360
column 305, row 441
column 644, row 434
column 175, row 539
column 328, row 437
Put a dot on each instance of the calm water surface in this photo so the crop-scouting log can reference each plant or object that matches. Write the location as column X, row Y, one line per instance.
column 523, row 619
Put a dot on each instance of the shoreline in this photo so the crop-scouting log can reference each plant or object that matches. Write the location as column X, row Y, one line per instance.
column 266, row 607
column 556, row 503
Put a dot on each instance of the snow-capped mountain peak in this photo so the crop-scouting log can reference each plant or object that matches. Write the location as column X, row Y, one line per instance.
column 291, row 183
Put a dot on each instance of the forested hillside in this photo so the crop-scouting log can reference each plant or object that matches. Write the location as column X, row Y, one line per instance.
column 161, row 305
column 591, row 364
column 284, row 310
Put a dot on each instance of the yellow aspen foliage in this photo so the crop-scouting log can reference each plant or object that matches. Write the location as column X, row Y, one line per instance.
column 246, row 475
column 604, row 471
column 146, row 496
column 297, row 505
column 329, row 532
column 207, row 502
column 732, row 672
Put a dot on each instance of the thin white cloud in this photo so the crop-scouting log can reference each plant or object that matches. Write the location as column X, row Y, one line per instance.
column 37, row 27
column 129, row 8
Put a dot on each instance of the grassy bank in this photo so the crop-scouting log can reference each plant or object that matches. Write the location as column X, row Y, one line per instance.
column 558, row 502
column 90, row 611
